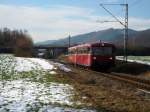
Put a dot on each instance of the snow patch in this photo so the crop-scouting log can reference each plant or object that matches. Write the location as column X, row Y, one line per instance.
column 28, row 64
column 22, row 95
column 10, row 64
column 134, row 60
column 53, row 72
column 62, row 67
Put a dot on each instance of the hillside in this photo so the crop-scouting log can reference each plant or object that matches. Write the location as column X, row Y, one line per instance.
column 116, row 36
column 47, row 42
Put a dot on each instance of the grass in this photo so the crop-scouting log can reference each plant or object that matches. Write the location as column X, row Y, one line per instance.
column 7, row 65
column 130, row 68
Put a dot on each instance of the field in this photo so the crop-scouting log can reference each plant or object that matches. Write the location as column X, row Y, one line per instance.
column 138, row 59
column 38, row 85
column 29, row 85
column 141, row 58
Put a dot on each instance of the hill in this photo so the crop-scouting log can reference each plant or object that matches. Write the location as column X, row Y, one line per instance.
column 116, row 36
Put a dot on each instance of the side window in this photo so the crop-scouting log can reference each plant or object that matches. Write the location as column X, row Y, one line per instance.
column 79, row 50
column 69, row 51
column 83, row 50
column 88, row 50
column 72, row 51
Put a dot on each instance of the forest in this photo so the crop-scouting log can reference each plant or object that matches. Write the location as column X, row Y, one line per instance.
column 17, row 42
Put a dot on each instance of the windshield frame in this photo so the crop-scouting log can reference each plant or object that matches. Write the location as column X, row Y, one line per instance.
column 102, row 51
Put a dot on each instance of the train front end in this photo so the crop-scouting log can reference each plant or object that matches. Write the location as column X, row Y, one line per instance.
column 103, row 55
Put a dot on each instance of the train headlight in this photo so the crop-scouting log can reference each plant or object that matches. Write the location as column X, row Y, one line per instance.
column 94, row 58
column 110, row 58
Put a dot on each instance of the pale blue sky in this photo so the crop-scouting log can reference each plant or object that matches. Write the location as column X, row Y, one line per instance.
column 54, row 19
column 137, row 8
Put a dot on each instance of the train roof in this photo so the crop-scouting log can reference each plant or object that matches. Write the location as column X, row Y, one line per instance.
column 94, row 44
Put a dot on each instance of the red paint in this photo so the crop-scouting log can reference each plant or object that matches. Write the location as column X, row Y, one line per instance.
column 86, row 59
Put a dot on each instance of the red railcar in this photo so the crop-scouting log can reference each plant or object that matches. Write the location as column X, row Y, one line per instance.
column 95, row 55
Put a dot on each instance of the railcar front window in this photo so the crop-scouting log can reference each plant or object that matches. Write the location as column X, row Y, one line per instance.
column 103, row 51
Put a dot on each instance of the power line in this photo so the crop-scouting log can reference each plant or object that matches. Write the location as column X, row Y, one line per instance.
column 102, row 5
column 125, row 24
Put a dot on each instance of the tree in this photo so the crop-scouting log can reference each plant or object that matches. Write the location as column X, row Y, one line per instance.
column 18, row 40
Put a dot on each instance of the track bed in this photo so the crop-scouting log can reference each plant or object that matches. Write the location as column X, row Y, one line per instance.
column 104, row 92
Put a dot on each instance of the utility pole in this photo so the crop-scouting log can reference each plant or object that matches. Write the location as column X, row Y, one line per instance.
column 69, row 38
column 126, row 34
column 125, row 24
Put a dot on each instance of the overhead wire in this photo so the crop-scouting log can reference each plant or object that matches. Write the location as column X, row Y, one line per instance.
column 112, row 20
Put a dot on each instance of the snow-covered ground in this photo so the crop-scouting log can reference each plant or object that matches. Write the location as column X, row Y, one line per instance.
column 24, row 95
column 10, row 64
column 138, row 59
column 28, row 64
column 20, row 64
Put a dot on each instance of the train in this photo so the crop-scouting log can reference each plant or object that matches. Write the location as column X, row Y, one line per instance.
column 98, row 55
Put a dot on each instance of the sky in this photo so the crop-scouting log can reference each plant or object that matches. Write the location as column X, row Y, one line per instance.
column 55, row 19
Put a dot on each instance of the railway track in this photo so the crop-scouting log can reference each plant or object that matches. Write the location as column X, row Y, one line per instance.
column 132, row 80
column 135, row 81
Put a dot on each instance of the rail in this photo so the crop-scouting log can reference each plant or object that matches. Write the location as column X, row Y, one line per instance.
column 135, row 81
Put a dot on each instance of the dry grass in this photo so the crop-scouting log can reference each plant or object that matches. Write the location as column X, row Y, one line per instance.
column 105, row 94
column 130, row 68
